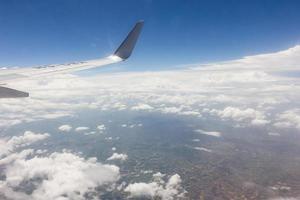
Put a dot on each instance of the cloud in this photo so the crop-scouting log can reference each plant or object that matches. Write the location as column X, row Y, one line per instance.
column 287, row 59
column 81, row 128
column 117, row 156
column 7, row 146
column 158, row 188
column 142, row 106
column 210, row 133
column 142, row 189
column 273, row 134
column 171, row 110
column 109, row 138
column 244, row 91
column 101, row 128
column 242, row 115
column 41, row 151
column 65, row 128
column 60, row 175
column 288, row 119
column 203, row 149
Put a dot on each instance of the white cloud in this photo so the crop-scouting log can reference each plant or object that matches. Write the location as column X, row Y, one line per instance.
column 289, row 59
column 59, row 176
column 259, row 122
column 101, row 127
column 273, row 134
column 65, row 128
column 241, row 115
column 244, row 88
column 203, row 149
column 41, row 151
column 81, row 128
column 142, row 189
column 7, row 146
column 109, row 138
column 288, row 119
column 171, row 110
column 119, row 106
column 117, row 156
column 210, row 133
column 142, row 106
column 158, row 188
column 90, row 133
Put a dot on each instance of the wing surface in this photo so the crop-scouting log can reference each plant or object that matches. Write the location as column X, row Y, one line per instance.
column 122, row 53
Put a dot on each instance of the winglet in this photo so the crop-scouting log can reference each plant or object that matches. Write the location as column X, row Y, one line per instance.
column 125, row 49
column 12, row 93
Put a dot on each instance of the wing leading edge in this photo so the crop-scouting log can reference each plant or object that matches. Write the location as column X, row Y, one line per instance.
column 122, row 53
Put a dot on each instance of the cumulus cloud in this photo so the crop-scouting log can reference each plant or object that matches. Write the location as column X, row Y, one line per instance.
column 158, row 188
column 142, row 189
column 142, row 106
column 41, row 151
column 273, row 134
column 117, row 156
column 244, row 91
column 203, row 149
column 101, row 128
column 288, row 119
column 181, row 110
column 171, row 109
column 289, row 59
column 61, row 175
column 65, row 128
column 210, row 133
column 247, row 115
column 81, row 128
column 7, row 146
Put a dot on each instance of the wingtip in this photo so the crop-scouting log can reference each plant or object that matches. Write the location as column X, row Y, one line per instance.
column 125, row 49
column 12, row 93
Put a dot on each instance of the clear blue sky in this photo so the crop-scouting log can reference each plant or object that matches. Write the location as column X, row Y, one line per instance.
column 176, row 32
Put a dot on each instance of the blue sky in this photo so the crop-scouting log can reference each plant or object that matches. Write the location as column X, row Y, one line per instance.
column 175, row 33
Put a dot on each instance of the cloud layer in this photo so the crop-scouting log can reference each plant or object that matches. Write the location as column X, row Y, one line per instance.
column 59, row 175
column 244, row 91
column 249, row 92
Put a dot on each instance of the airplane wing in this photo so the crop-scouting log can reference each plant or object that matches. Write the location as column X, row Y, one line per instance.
column 122, row 53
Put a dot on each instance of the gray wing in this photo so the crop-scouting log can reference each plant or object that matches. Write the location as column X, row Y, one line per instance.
column 125, row 49
column 12, row 93
column 122, row 53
